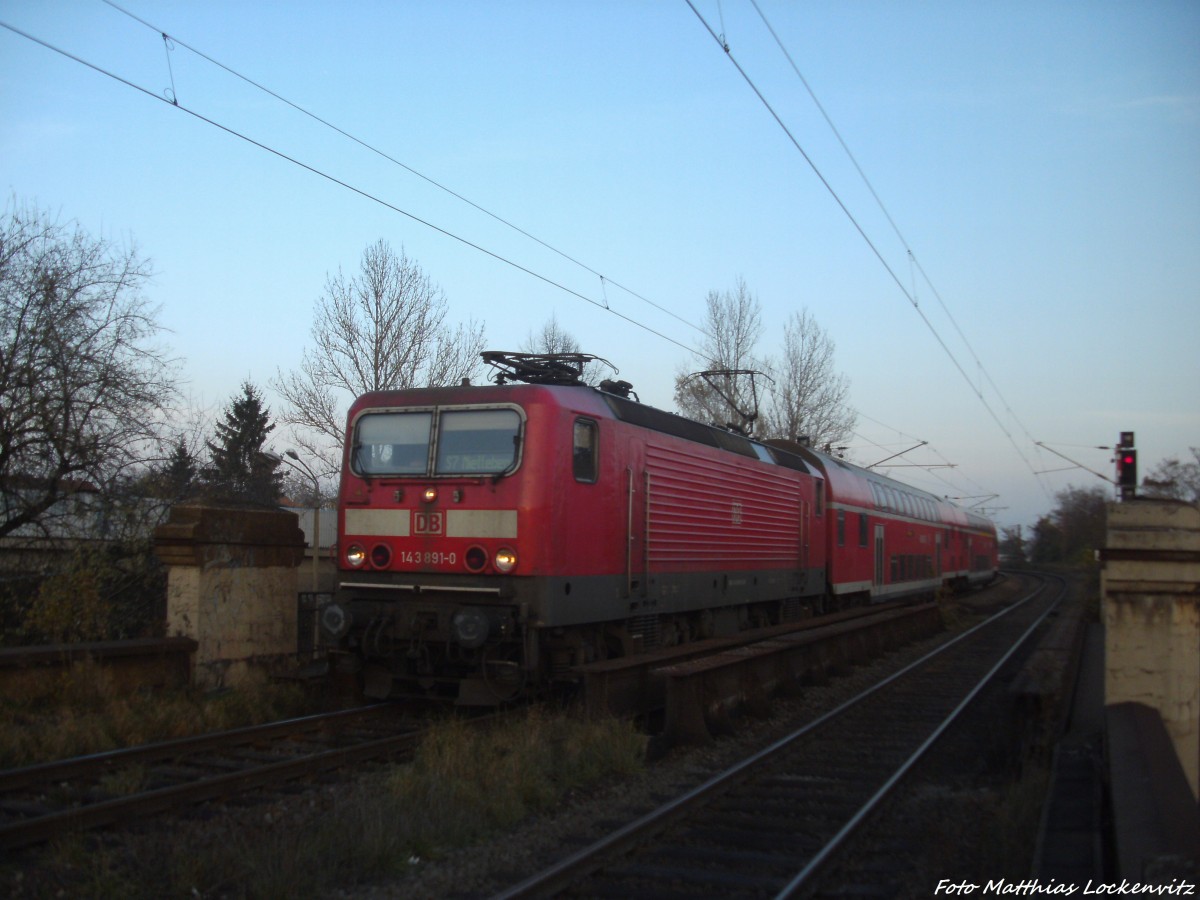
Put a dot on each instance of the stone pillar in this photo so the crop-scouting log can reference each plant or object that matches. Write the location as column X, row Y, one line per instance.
column 1150, row 583
column 231, row 587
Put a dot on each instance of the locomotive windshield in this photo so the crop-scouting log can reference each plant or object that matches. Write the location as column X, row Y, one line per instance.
column 465, row 442
column 477, row 441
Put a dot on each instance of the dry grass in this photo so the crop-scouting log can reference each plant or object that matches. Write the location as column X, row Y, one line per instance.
column 463, row 785
column 79, row 711
column 469, row 783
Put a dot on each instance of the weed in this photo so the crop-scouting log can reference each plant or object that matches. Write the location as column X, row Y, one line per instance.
column 80, row 711
column 464, row 785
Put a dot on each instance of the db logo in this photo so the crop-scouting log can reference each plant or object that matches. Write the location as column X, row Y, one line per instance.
column 427, row 522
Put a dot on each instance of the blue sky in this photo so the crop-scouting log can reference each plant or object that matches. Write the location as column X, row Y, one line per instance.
column 1040, row 159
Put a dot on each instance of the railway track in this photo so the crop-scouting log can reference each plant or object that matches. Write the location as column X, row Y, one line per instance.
column 768, row 826
column 42, row 801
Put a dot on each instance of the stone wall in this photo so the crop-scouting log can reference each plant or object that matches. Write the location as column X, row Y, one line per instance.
column 1151, row 588
column 231, row 587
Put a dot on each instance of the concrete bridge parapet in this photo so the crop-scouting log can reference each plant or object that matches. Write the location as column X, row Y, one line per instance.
column 231, row 587
column 1150, row 582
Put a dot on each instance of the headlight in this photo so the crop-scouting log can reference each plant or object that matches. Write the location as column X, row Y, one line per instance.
column 505, row 561
column 356, row 555
column 429, row 494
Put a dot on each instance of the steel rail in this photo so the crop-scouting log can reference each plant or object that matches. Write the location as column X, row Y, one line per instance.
column 822, row 856
column 78, row 766
column 108, row 812
column 591, row 858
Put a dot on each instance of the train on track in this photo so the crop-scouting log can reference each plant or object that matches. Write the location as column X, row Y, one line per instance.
column 492, row 539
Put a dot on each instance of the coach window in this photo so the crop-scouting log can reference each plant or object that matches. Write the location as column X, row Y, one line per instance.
column 862, row 529
column 841, row 528
column 584, row 457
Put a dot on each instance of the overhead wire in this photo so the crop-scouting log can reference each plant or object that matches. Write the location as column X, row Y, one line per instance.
column 391, row 159
column 895, row 228
column 722, row 41
column 174, row 102
column 930, row 471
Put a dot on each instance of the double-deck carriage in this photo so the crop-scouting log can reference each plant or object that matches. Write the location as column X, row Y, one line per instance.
column 887, row 540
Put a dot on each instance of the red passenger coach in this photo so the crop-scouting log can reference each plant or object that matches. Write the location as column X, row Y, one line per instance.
column 491, row 538
column 888, row 540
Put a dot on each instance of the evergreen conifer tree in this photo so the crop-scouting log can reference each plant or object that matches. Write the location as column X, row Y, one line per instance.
column 240, row 471
column 178, row 476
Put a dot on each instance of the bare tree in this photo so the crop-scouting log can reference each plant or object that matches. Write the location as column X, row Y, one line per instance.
column 809, row 397
column 551, row 339
column 1174, row 480
column 733, row 326
column 554, row 339
column 84, row 388
column 382, row 329
column 1073, row 530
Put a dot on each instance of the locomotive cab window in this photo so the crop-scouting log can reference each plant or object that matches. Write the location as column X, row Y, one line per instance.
column 584, row 459
column 467, row 442
column 477, row 441
column 392, row 443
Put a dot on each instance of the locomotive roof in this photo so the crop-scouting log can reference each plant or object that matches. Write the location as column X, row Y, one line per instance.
column 584, row 398
column 669, row 423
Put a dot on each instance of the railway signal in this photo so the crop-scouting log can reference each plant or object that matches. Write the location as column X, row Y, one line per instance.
column 1127, row 466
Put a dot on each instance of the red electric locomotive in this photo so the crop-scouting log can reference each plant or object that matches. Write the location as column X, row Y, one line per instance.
column 492, row 538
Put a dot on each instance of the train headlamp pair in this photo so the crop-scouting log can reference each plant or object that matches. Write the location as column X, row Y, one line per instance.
column 504, row 560
column 381, row 555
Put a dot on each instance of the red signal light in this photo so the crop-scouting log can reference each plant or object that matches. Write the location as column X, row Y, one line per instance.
column 1127, row 468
